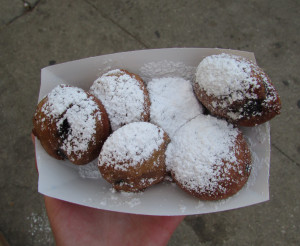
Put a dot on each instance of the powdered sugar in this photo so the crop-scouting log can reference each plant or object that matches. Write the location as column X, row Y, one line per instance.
column 82, row 125
column 89, row 170
column 227, row 75
column 76, row 113
column 122, row 97
column 260, row 135
column 61, row 98
column 117, row 199
column 165, row 68
column 197, row 153
column 271, row 97
column 172, row 103
column 130, row 145
column 39, row 228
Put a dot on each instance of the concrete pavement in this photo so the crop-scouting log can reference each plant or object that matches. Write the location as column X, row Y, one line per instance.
column 37, row 33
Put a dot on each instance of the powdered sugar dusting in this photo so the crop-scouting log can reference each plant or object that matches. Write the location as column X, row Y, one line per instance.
column 260, row 136
column 270, row 102
column 82, row 125
column 89, row 170
column 61, row 98
column 197, row 152
column 133, row 202
column 227, row 75
column 121, row 96
column 117, row 199
column 130, row 145
column 165, row 68
column 77, row 114
column 40, row 229
column 172, row 103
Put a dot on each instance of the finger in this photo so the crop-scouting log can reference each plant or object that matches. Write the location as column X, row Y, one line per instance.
column 33, row 138
column 33, row 141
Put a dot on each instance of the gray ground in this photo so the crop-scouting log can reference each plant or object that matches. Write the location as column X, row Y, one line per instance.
column 34, row 34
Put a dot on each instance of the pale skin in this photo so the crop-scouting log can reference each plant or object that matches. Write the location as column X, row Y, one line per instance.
column 74, row 224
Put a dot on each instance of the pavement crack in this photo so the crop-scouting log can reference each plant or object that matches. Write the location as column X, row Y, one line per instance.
column 27, row 7
column 283, row 153
column 117, row 24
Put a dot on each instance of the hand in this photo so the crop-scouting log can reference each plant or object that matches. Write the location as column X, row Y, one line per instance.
column 74, row 224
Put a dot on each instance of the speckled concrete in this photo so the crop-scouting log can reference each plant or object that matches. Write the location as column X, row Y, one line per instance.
column 34, row 34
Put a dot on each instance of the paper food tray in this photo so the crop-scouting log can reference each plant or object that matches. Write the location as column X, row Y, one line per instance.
column 63, row 180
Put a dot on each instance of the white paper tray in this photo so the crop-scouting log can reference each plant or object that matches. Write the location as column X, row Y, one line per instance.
column 61, row 179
